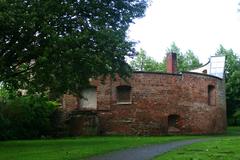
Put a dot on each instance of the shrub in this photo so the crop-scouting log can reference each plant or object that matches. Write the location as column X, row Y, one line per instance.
column 26, row 117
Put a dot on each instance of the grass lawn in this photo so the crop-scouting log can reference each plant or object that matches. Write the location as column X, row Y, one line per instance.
column 74, row 148
column 225, row 147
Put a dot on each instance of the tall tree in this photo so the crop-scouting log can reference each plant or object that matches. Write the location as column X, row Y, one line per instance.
column 59, row 45
column 232, row 79
column 142, row 62
column 185, row 62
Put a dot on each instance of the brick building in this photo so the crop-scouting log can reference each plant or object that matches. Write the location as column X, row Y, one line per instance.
column 151, row 103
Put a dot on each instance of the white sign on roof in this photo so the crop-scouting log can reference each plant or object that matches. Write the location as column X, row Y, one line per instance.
column 217, row 65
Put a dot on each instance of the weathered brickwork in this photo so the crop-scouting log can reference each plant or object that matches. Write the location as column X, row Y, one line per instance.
column 160, row 103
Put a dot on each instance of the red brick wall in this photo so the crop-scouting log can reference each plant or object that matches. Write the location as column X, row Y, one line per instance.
column 155, row 96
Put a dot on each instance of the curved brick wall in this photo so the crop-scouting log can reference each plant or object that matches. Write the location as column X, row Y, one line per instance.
column 155, row 96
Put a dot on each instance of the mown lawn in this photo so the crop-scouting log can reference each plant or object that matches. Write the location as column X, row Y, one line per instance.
column 225, row 147
column 74, row 148
column 220, row 147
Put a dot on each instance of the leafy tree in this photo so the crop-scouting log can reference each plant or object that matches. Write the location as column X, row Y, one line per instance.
column 236, row 115
column 232, row 79
column 190, row 61
column 59, row 45
column 142, row 62
column 185, row 62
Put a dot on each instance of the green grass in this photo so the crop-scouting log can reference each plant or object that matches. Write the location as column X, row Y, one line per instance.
column 74, row 148
column 226, row 147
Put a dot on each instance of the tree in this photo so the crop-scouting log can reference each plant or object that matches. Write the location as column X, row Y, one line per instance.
column 232, row 80
column 190, row 61
column 142, row 62
column 185, row 62
column 58, row 45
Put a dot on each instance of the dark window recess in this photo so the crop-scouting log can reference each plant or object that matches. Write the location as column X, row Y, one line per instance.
column 123, row 94
column 173, row 120
column 211, row 95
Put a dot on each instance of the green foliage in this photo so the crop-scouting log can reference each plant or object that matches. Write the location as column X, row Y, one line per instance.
column 59, row 45
column 6, row 94
column 232, row 79
column 191, row 61
column 185, row 62
column 142, row 62
column 25, row 117
column 232, row 61
column 237, row 114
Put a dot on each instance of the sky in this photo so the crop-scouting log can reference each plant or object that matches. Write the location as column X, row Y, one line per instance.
column 199, row 25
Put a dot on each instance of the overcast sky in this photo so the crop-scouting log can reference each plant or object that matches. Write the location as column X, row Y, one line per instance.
column 199, row 25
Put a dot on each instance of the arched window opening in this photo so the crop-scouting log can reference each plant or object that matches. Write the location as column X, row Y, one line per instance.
column 124, row 94
column 211, row 95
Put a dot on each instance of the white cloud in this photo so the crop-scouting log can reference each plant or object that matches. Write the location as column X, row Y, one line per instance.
column 200, row 25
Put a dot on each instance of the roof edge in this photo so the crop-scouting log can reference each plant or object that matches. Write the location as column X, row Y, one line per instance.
column 208, row 75
column 178, row 74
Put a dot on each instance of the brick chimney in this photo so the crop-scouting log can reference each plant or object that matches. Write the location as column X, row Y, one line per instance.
column 171, row 63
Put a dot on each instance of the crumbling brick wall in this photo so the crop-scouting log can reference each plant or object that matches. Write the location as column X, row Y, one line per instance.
column 154, row 97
